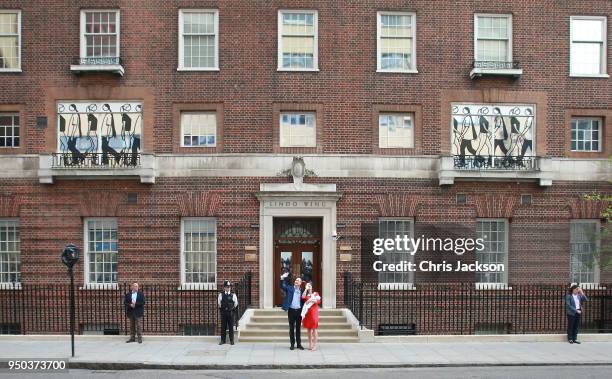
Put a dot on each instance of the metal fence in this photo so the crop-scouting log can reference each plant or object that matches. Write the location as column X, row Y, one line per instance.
column 44, row 309
column 462, row 308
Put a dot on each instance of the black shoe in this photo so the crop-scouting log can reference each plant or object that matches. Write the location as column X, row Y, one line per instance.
column 578, row 342
column 570, row 341
column 292, row 348
column 139, row 340
column 300, row 347
column 221, row 342
column 231, row 342
column 130, row 340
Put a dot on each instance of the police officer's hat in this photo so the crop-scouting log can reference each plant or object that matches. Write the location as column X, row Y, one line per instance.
column 227, row 283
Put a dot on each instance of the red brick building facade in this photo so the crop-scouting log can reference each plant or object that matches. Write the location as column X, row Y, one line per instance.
column 322, row 80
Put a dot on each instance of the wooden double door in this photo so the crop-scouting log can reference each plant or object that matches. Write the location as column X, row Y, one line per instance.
column 297, row 250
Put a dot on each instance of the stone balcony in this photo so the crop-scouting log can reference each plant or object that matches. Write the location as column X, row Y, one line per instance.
column 97, row 166
column 112, row 65
column 508, row 168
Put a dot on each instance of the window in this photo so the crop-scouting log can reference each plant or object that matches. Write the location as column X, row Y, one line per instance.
column 586, row 134
column 10, row 252
column 101, row 251
column 492, row 38
column 390, row 228
column 10, row 40
column 583, row 250
column 199, row 251
column 198, row 40
column 100, row 36
column 396, row 35
column 9, row 130
column 588, row 46
column 198, row 129
column 495, row 236
column 298, row 129
column 395, row 130
column 297, row 40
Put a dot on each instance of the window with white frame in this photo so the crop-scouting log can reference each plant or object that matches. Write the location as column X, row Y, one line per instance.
column 586, row 134
column 198, row 39
column 198, row 129
column 10, row 40
column 9, row 130
column 494, row 234
column 395, row 130
column 396, row 36
column 101, row 251
column 10, row 251
column 588, row 46
column 199, row 251
column 100, row 35
column 583, row 250
column 390, row 228
column 298, row 129
column 492, row 38
column 297, row 40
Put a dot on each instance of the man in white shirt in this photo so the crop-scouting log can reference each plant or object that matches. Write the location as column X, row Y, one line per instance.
column 574, row 302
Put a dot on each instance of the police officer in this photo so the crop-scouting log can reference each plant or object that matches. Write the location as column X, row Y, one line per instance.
column 227, row 302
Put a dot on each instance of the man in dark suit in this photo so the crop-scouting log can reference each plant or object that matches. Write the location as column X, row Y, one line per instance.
column 574, row 303
column 227, row 302
column 293, row 306
column 134, row 310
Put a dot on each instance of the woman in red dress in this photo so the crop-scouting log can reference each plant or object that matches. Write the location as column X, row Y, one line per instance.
column 310, row 315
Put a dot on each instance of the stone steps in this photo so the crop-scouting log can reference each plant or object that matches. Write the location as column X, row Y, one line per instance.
column 270, row 325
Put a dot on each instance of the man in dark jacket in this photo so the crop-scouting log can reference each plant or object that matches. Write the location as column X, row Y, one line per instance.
column 134, row 310
column 227, row 302
column 293, row 306
column 574, row 305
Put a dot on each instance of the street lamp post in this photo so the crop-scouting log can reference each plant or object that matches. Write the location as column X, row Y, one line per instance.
column 70, row 256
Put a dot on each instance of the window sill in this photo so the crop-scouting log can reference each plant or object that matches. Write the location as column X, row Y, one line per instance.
column 397, row 71
column 297, row 70
column 493, row 286
column 592, row 286
column 85, row 68
column 589, row 76
column 10, row 286
column 210, row 69
column 512, row 72
column 198, row 287
column 14, row 70
column 396, row 286
column 99, row 286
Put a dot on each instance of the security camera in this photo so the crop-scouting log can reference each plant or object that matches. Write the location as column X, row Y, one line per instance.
column 335, row 235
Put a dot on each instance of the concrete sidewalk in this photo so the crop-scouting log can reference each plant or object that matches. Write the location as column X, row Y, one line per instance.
column 204, row 353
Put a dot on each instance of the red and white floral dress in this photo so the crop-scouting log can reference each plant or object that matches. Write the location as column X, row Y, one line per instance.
column 311, row 319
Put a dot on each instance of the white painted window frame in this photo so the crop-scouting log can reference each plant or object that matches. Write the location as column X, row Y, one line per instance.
column 600, row 121
column 181, row 40
column 414, row 70
column 604, row 50
column 504, row 284
column 596, row 268
column 315, row 57
column 16, row 285
column 390, row 286
column 183, row 130
column 18, row 12
column 498, row 15
column 281, row 135
column 83, row 42
column 87, row 283
column 190, row 285
column 402, row 114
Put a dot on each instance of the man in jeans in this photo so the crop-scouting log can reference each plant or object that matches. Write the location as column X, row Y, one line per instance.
column 293, row 305
column 134, row 310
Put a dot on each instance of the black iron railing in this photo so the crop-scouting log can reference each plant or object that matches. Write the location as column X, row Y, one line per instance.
column 497, row 65
column 96, row 160
column 462, row 308
column 480, row 162
column 97, row 61
column 44, row 309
